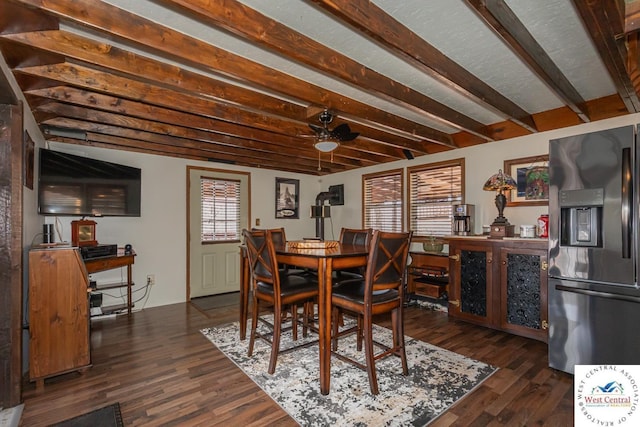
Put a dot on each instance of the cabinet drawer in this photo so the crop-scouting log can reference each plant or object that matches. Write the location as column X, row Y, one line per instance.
column 430, row 289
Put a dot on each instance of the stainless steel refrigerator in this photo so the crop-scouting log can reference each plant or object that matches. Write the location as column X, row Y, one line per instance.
column 594, row 298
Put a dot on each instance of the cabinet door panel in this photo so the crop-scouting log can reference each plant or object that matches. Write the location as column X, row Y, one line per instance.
column 470, row 278
column 524, row 303
column 473, row 282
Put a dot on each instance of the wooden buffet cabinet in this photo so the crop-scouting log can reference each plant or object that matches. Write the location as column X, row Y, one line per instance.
column 500, row 284
column 59, row 320
column 58, row 313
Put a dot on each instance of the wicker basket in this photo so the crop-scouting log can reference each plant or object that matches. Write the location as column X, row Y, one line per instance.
column 433, row 246
column 312, row 244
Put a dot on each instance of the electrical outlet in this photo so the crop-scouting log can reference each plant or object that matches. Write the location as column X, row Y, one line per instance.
column 257, row 222
column 151, row 279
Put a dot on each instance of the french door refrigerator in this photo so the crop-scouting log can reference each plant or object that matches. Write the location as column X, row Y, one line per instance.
column 593, row 294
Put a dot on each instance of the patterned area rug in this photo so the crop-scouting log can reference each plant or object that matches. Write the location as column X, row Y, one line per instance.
column 437, row 379
column 429, row 304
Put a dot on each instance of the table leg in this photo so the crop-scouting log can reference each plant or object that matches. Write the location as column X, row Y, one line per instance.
column 244, row 293
column 129, row 296
column 324, row 318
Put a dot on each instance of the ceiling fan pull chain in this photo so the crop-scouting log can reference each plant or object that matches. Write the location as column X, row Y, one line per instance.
column 319, row 167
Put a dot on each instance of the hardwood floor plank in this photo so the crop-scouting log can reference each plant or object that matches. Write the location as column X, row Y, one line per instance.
column 163, row 371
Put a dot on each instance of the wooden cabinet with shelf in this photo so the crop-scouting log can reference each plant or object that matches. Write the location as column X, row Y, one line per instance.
column 500, row 284
column 109, row 263
column 58, row 313
column 427, row 274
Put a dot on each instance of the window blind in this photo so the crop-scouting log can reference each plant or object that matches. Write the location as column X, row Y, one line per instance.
column 433, row 190
column 383, row 201
column 220, row 200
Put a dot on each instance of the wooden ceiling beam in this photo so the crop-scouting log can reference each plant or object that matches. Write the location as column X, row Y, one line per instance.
column 361, row 149
column 599, row 109
column 603, row 21
column 125, row 144
column 100, row 81
column 154, row 72
column 251, row 25
column 501, row 19
column 631, row 16
column 260, row 157
column 373, row 21
column 145, row 125
column 117, row 23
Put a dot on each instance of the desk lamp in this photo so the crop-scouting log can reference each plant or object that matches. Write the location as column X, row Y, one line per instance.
column 500, row 182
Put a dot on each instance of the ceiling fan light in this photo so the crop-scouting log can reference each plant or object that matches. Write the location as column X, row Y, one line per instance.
column 326, row 146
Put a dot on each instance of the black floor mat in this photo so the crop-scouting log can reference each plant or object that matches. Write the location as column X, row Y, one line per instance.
column 109, row 416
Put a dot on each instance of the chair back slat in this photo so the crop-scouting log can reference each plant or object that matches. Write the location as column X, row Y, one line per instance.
column 262, row 257
column 354, row 236
column 387, row 262
column 278, row 237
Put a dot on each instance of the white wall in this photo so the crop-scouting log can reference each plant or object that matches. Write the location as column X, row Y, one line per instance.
column 158, row 236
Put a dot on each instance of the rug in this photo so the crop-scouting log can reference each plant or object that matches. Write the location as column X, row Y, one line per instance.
column 430, row 304
column 437, row 379
column 109, row 416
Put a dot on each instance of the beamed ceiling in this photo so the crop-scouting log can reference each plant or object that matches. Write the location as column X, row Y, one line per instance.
column 240, row 81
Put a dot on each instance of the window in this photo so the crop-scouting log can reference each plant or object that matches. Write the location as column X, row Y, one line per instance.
column 433, row 190
column 383, row 200
column 220, row 217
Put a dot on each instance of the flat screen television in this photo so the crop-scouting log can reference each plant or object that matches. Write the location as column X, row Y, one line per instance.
column 70, row 185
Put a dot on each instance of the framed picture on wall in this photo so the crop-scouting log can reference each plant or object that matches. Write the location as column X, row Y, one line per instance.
column 287, row 198
column 532, row 177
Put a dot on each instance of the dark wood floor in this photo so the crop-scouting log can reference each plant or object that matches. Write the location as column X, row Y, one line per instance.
column 162, row 371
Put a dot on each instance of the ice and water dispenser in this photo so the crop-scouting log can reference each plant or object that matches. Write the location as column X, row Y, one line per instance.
column 581, row 217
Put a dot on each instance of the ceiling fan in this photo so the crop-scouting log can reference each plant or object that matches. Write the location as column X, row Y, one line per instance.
column 327, row 139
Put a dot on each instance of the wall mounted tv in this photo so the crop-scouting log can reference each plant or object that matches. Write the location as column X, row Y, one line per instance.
column 71, row 185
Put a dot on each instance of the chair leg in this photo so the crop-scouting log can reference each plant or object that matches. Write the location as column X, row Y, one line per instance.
column 359, row 334
column 254, row 323
column 369, row 355
column 294, row 321
column 275, row 340
column 397, row 325
column 307, row 313
column 335, row 315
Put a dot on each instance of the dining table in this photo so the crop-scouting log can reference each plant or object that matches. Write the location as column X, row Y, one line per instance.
column 324, row 261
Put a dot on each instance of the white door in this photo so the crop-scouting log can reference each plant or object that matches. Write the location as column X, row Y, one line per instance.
column 215, row 234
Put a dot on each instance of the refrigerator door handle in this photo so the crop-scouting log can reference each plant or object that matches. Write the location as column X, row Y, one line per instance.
column 627, row 202
column 591, row 293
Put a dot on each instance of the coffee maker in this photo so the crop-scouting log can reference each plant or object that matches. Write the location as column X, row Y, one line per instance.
column 463, row 220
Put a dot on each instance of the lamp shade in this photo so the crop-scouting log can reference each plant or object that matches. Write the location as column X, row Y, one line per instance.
column 500, row 182
column 326, row 145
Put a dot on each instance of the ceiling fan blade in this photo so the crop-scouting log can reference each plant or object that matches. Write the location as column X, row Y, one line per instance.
column 343, row 133
column 319, row 130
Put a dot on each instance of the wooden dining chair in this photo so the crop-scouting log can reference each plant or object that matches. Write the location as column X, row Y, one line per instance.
column 352, row 236
column 280, row 240
column 381, row 291
column 272, row 288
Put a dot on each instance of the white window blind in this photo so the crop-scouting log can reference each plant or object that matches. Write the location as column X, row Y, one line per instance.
column 433, row 190
column 220, row 219
column 383, row 201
